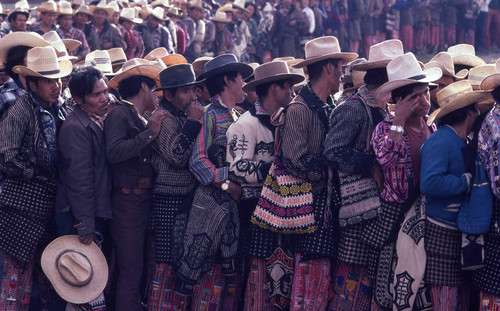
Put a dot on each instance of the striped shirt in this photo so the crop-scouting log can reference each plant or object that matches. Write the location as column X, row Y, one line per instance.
column 76, row 34
column 10, row 91
column 208, row 161
column 488, row 148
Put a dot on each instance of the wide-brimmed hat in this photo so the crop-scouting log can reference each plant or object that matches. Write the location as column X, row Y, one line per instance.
column 196, row 4
column 101, row 60
column 48, row 6
column 381, row 54
column 405, row 70
column 84, row 9
column 157, row 53
column 444, row 60
column 101, row 6
column 456, row 96
column 158, row 12
column 43, row 62
column 174, row 59
column 2, row 11
column 220, row 17
column 129, row 15
column 240, row 4
column 477, row 74
column 175, row 12
column 465, row 54
column 18, row 38
column 115, row 6
column 272, row 72
column 78, row 272
column 322, row 48
column 199, row 64
column 354, row 76
column 225, row 63
column 117, row 56
column 163, row 3
column 23, row 8
column 177, row 76
column 61, row 47
column 228, row 7
column 64, row 8
column 492, row 81
column 136, row 67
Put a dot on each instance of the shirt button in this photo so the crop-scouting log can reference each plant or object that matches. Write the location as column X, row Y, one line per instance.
column 150, row 137
column 144, row 160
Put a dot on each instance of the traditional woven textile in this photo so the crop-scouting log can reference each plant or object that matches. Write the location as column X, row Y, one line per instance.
column 215, row 292
column 444, row 298
column 98, row 304
column 352, row 290
column 162, row 295
column 279, row 278
column 17, row 282
column 352, row 249
column 257, row 290
column 488, row 302
column 384, row 228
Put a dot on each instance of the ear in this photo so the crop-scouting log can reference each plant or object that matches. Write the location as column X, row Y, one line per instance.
column 167, row 95
column 78, row 100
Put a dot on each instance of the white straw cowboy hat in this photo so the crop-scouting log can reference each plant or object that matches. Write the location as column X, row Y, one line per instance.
column 220, row 17
column 272, row 72
column 157, row 53
column 64, row 8
column 129, row 15
column 240, row 4
column 196, row 4
column 354, row 76
column 456, row 96
column 136, row 67
column 102, row 6
column 158, row 13
column 477, row 74
column 465, row 54
column 101, row 60
column 493, row 80
column 405, row 70
column 49, row 6
column 175, row 12
column 77, row 271
column 61, row 47
column 444, row 60
column 84, row 9
column 30, row 39
column 43, row 62
column 115, row 6
column 228, row 7
column 163, row 3
column 324, row 48
column 381, row 54
column 117, row 56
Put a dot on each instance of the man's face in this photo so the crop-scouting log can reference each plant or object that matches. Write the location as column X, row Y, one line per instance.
column 153, row 22
column 49, row 18
column 19, row 22
column 421, row 94
column 65, row 21
column 203, row 94
column 235, row 89
column 100, row 16
column 46, row 91
column 97, row 101
column 336, row 76
column 128, row 25
column 184, row 97
column 81, row 18
column 220, row 26
column 443, row 82
column 284, row 95
column 249, row 12
column 150, row 99
column 114, row 19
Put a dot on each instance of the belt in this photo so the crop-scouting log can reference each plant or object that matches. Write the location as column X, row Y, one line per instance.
column 143, row 186
column 137, row 191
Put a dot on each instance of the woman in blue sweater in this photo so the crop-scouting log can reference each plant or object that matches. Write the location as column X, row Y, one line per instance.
column 445, row 178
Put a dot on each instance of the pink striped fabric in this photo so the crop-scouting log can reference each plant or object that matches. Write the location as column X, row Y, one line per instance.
column 444, row 298
column 256, row 293
column 162, row 295
column 489, row 302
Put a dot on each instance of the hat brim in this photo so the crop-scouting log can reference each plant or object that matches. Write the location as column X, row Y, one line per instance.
column 245, row 70
column 150, row 71
column 464, row 100
column 345, row 56
column 295, row 78
column 65, row 69
column 73, row 294
column 431, row 75
column 19, row 38
column 135, row 20
column 214, row 19
column 93, row 8
column 459, row 75
column 371, row 65
column 490, row 82
column 71, row 44
column 468, row 60
column 177, row 85
column 44, row 10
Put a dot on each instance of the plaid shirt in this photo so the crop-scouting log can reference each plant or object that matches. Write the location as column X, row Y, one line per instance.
column 76, row 34
column 10, row 91
column 36, row 28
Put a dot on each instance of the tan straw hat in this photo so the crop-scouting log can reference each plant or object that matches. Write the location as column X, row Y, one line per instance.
column 477, row 74
column 43, row 62
column 272, row 72
column 465, row 54
column 49, row 6
column 30, row 39
column 322, row 48
column 381, row 54
column 117, row 56
column 101, row 60
column 199, row 64
column 493, row 80
column 129, row 15
column 240, row 4
column 175, row 12
column 157, row 53
column 162, row 3
column 84, row 9
column 115, row 6
column 158, row 12
column 356, row 77
column 64, row 8
column 102, row 6
column 196, row 4
column 174, row 59
column 228, row 7
column 220, row 17
column 455, row 96
column 405, row 70
column 61, row 47
column 444, row 60
column 77, row 271
column 136, row 67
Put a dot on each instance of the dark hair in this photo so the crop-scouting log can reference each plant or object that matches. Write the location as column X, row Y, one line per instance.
column 131, row 86
column 376, row 77
column 82, row 81
column 216, row 84
column 172, row 91
column 314, row 70
column 402, row 92
column 457, row 116
column 262, row 90
column 249, row 3
column 15, row 56
column 459, row 67
column 13, row 16
column 496, row 94
column 31, row 79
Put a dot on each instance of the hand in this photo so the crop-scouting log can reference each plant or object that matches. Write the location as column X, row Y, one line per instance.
column 378, row 175
column 293, row 23
column 154, row 122
column 194, row 111
column 404, row 108
column 235, row 191
column 86, row 239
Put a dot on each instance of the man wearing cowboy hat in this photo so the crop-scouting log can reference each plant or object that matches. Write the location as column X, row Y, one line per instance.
column 289, row 23
column 132, row 38
column 195, row 25
column 174, row 182
column 240, row 31
column 223, row 38
column 128, row 148
column 48, row 15
column 214, row 202
column 67, row 31
column 250, row 153
column 174, row 15
column 28, row 156
column 17, row 19
column 109, row 36
column 82, row 22
column 156, row 35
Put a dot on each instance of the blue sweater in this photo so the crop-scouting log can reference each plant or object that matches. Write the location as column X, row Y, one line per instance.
column 442, row 177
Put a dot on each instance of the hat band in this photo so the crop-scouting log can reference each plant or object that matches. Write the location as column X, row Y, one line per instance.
column 177, row 82
column 419, row 77
column 101, row 61
column 122, row 60
column 49, row 72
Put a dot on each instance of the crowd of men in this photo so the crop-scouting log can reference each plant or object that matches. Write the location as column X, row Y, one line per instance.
column 139, row 171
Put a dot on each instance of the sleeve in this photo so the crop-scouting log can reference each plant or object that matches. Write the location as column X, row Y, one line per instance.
column 387, row 151
column 488, row 153
column 199, row 164
column 76, row 158
column 174, row 143
column 295, row 153
column 435, row 179
column 139, row 52
column 84, row 48
column 117, row 38
column 120, row 147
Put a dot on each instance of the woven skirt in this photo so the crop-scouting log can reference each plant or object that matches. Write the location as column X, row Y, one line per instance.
column 352, row 249
column 384, row 229
column 443, row 247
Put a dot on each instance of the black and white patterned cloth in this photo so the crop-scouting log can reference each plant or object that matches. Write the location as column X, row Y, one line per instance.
column 384, row 229
column 443, row 246
column 352, row 249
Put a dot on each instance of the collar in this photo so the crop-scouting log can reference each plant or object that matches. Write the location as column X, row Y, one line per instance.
column 135, row 110
column 217, row 100
column 368, row 96
column 312, row 99
column 259, row 110
column 171, row 108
